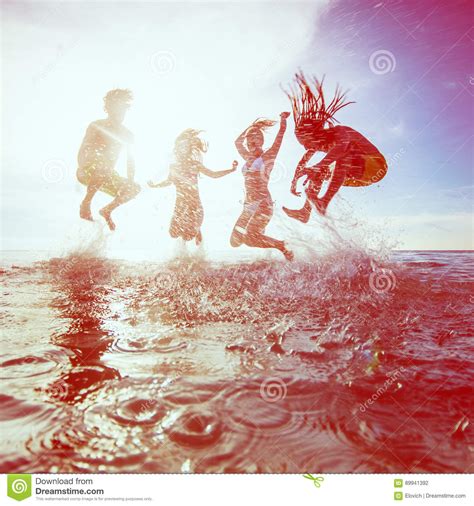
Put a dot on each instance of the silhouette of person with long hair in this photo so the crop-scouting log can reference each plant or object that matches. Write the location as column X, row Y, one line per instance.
column 258, row 205
column 357, row 161
column 183, row 174
column 99, row 152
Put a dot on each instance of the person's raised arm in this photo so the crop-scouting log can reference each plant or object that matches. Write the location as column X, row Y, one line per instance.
column 218, row 173
column 273, row 151
column 239, row 144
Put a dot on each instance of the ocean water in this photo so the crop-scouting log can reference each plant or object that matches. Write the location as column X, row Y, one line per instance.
column 340, row 364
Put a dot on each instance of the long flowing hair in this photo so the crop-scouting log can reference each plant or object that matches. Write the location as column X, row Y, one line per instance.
column 189, row 147
column 311, row 112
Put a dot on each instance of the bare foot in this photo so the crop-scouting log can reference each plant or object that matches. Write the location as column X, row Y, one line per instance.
column 85, row 212
column 289, row 255
column 106, row 215
column 297, row 214
column 198, row 238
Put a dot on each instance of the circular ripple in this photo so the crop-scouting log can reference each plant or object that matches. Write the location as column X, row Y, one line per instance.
column 157, row 345
column 114, row 429
column 248, row 410
column 189, row 392
column 27, row 366
column 196, row 429
column 125, row 407
column 139, row 412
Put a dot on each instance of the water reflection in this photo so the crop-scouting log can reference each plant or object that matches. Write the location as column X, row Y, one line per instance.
column 85, row 289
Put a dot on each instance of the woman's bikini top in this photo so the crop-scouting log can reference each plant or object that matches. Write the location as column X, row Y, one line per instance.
column 256, row 181
column 257, row 166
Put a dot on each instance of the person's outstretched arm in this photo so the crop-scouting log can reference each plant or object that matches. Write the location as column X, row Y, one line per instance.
column 218, row 173
column 273, row 151
column 166, row 182
column 239, row 144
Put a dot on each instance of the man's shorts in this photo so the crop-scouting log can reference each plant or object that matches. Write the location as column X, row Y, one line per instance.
column 112, row 181
column 375, row 168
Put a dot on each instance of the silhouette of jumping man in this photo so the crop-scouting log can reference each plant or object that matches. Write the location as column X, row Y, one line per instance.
column 184, row 173
column 357, row 161
column 98, row 154
column 258, row 205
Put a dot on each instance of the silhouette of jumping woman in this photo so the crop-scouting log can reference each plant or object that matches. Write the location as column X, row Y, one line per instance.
column 258, row 205
column 98, row 154
column 357, row 161
column 184, row 172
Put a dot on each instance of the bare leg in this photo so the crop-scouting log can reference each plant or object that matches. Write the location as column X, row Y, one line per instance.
column 250, row 227
column 239, row 231
column 92, row 188
column 302, row 214
column 259, row 240
column 256, row 238
column 128, row 191
column 315, row 181
column 337, row 180
column 85, row 209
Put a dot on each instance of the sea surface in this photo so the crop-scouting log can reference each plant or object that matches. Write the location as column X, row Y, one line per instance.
column 343, row 364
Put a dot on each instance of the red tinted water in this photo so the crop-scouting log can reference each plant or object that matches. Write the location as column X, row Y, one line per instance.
column 341, row 365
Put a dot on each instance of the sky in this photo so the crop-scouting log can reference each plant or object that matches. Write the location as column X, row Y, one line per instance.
column 216, row 67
